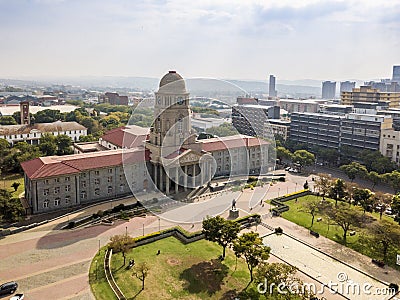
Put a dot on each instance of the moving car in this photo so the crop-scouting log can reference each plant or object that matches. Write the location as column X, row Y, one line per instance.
column 8, row 288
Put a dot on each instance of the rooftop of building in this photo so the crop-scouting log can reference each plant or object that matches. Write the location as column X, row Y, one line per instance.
column 231, row 142
column 127, row 136
column 57, row 126
column 50, row 166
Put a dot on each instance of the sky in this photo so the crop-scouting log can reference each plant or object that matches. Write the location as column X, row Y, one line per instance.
column 324, row 40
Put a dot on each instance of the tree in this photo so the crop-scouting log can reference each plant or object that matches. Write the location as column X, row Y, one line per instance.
column 250, row 246
column 283, row 154
column 396, row 206
column 64, row 143
column 383, row 201
column 311, row 207
column 141, row 271
column 121, row 243
column 374, row 177
column 338, row 190
column 225, row 129
column 346, row 217
column 303, row 158
column 221, row 231
column 386, row 234
column 323, row 183
column 7, row 120
column 353, row 170
column 305, row 185
column 47, row 116
column 15, row 185
column 364, row 198
column 48, row 144
column 11, row 209
column 280, row 277
column 393, row 179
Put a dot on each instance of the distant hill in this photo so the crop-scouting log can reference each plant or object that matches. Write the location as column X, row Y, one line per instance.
column 295, row 88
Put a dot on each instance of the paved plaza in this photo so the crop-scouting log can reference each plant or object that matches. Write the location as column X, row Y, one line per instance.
column 49, row 263
column 343, row 278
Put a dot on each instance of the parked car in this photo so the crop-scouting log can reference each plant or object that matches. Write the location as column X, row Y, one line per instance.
column 17, row 297
column 8, row 288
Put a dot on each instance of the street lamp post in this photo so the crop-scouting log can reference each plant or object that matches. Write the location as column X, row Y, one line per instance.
column 279, row 189
column 159, row 224
column 143, row 229
column 96, row 268
column 296, row 188
column 126, row 230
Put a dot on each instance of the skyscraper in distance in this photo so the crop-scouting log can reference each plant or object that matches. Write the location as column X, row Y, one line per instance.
column 272, row 90
column 328, row 89
column 396, row 74
column 347, row 86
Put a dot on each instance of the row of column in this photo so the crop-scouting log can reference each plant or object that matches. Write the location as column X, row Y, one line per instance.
column 162, row 177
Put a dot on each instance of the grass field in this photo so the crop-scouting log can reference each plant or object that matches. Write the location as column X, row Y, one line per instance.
column 8, row 180
column 181, row 271
column 297, row 215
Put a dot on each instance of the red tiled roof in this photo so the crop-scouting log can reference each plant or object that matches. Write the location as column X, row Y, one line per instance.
column 69, row 164
column 230, row 142
column 127, row 136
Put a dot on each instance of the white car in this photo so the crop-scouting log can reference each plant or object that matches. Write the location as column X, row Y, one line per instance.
column 17, row 297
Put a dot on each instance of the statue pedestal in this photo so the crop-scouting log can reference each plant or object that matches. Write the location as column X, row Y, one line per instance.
column 233, row 213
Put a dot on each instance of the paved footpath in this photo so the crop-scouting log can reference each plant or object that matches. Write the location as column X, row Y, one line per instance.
column 53, row 264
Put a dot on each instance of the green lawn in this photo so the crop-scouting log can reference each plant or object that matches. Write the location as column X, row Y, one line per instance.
column 181, row 271
column 9, row 179
column 97, row 278
column 297, row 215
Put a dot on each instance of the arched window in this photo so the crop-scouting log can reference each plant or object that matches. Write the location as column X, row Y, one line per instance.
column 180, row 124
column 110, row 189
column 46, row 203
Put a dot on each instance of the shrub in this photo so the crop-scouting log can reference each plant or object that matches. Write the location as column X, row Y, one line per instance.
column 282, row 179
column 71, row 224
column 100, row 213
column 118, row 208
column 394, row 286
column 278, row 230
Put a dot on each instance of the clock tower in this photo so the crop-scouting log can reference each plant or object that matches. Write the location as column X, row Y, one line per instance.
column 171, row 129
column 175, row 164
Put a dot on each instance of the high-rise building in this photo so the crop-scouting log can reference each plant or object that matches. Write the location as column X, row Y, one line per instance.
column 396, row 74
column 347, row 86
column 328, row 89
column 272, row 90
column 368, row 94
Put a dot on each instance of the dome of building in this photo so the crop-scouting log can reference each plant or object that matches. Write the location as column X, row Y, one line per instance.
column 172, row 82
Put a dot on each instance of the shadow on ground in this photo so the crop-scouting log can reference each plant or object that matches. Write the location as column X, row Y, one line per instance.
column 206, row 276
column 68, row 237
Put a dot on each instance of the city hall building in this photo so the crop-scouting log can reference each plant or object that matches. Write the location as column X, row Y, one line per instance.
column 169, row 158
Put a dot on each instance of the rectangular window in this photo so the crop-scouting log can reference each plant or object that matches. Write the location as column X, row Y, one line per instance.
column 46, row 203
column 84, row 184
column 67, row 188
column 97, row 192
column 83, row 195
column 84, row 175
column 109, row 179
column 97, row 181
column 110, row 171
column 46, row 192
column 96, row 172
column 67, row 179
column 121, row 177
column 57, row 202
column 46, row 181
column 56, row 179
column 57, row 190
column 67, row 199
